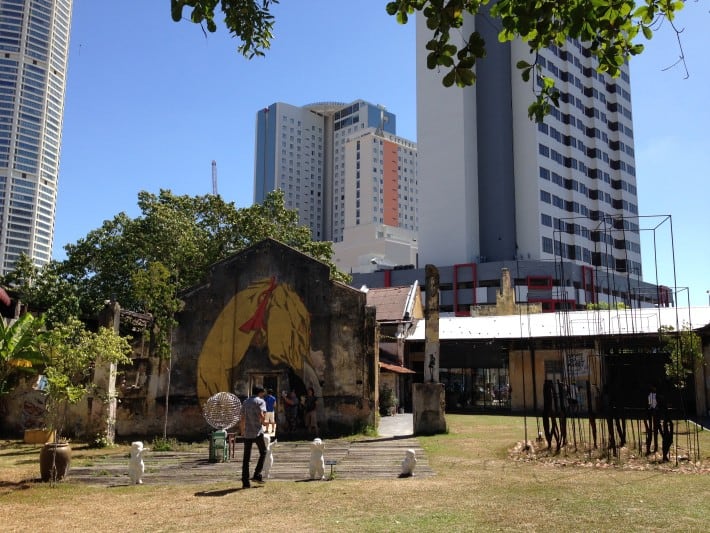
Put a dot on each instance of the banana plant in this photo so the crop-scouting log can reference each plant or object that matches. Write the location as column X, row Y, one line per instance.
column 19, row 349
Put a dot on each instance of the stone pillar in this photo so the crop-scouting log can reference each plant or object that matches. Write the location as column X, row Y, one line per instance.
column 102, row 403
column 431, row 327
column 429, row 398
column 428, row 407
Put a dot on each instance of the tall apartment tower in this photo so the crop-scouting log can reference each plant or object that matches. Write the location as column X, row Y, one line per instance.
column 301, row 150
column 496, row 186
column 381, row 202
column 34, row 46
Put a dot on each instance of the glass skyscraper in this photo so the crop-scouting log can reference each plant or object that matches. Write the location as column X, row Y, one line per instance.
column 34, row 44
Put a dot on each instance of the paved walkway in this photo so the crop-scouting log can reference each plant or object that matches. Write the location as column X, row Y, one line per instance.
column 396, row 426
column 366, row 458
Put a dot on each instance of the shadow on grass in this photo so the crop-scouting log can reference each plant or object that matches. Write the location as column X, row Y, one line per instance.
column 221, row 492
column 11, row 486
column 30, row 451
column 386, row 438
column 27, row 461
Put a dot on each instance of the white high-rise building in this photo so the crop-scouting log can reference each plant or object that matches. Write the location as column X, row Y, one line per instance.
column 381, row 202
column 34, row 46
column 342, row 167
column 496, row 186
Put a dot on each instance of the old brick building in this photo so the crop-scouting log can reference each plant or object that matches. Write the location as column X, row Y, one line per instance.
column 267, row 316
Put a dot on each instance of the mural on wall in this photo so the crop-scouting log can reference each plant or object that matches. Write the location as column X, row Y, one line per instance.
column 34, row 410
column 267, row 315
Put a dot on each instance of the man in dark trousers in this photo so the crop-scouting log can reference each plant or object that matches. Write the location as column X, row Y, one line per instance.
column 252, row 430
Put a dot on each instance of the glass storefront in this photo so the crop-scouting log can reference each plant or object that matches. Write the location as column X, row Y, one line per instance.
column 476, row 389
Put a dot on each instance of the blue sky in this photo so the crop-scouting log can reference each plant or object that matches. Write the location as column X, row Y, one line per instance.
column 150, row 103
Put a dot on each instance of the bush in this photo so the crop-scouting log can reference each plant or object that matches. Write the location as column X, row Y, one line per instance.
column 161, row 444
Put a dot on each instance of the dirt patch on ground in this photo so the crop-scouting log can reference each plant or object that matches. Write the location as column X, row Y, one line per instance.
column 682, row 459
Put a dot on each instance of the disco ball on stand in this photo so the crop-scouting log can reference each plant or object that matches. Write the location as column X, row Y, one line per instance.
column 221, row 411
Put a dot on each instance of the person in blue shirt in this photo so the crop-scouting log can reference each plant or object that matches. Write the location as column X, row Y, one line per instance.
column 270, row 417
column 251, row 424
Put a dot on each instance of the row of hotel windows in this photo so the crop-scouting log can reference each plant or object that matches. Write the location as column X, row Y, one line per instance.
column 612, row 107
column 566, row 55
column 569, row 119
column 569, row 140
column 573, row 185
column 576, row 207
column 285, row 119
column 595, row 153
column 596, row 235
column 588, row 91
column 377, row 219
column 346, row 111
column 599, row 259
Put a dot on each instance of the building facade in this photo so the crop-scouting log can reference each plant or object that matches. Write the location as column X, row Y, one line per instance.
column 470, row 289
column 511, row 189
column 34, row 46
column 341, row 166
column 381, row 202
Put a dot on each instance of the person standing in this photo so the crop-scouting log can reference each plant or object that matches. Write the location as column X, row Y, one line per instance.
column 310, row 407
column 291, row 408
column 652, row 423
column 252, row 430
column 270, row 418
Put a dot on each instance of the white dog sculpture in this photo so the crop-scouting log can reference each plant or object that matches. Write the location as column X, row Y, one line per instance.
column 316, row 466
column 409, row 463
column 136, row 467
column 269, row 460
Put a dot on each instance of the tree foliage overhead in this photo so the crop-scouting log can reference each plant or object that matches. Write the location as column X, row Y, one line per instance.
column 171, row 245
column 248, row 20
column 143, row 262
column 610, row 29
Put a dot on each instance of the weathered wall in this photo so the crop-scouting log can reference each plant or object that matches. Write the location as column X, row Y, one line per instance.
column 529, row 395
column 268, row 316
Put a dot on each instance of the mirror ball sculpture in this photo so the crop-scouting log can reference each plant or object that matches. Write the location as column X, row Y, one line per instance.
column 222, row 410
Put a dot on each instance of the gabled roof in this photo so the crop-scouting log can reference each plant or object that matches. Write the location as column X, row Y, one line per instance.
column 390, row 302
column 567, row 324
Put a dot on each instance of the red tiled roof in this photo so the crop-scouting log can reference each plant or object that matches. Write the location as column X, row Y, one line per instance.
column 389, row 302
column 397, row 369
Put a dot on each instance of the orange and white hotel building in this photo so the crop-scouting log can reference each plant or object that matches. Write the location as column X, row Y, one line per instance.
column 351, row 179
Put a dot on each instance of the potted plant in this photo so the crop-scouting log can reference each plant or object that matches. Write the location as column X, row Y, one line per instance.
column 71, row 352
column 388, row 402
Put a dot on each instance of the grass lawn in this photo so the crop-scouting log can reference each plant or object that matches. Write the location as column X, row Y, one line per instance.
column 477, row 487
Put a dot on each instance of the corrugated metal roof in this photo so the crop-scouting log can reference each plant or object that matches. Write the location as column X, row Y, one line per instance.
column 567, row 324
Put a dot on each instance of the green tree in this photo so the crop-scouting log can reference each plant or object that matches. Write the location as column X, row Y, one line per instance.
column 609, row 28
column 70, row 352
column 605, row 306
column 144, row 262
column 19, row 349
column 44, row 290
column 684, row 350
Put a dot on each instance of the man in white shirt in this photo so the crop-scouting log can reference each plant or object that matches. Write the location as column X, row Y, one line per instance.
column 252, row 430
